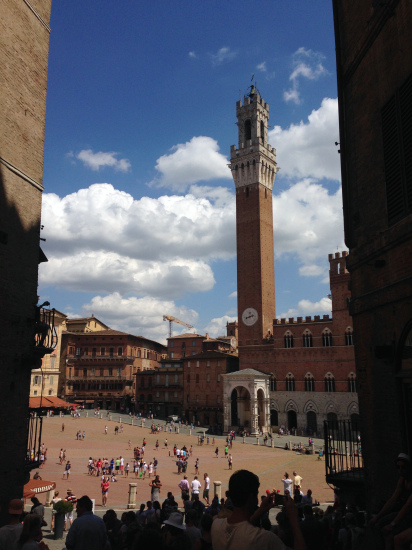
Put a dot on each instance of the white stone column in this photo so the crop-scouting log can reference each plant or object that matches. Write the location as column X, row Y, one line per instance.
column 132, row 495
column 227, row 420
column 254, row 428
column 218, row 489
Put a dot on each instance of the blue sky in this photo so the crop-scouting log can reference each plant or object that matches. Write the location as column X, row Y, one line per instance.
column 139, row 205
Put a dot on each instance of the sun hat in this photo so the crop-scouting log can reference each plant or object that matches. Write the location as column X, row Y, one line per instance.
column 175, row 520
column 15, row 506
column 69, row 490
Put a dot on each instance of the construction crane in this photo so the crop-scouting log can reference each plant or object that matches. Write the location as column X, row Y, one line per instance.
column 174, row 320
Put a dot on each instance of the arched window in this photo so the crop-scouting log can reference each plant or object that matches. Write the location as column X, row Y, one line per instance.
column 309, row 382
column 248, row 129
column 307, row 339
column 326, row 338
column 262, row 131
column 288, row 339
column 329, row 383
column 273, row 384
column 290, row 382
column 349, row 337
column 352, row 383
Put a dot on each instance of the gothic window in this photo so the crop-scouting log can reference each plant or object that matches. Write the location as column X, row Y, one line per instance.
column 352, row 383
column 326, row 338
column 349, row 337
column 262, row 131
column 290, row 382
column 288, row 339
column 307, row 339
column 309, row 382
column 272, row 384
column 248, row 129
column 329, row 383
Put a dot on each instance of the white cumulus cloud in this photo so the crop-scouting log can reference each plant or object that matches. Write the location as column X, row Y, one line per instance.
column 308, row 221
column 191, row 162
column 98, row 160
column 306, row 64
column 306, row 307
column 308, row 149
column 217, row 327
column 100, row 239
column 140, row 316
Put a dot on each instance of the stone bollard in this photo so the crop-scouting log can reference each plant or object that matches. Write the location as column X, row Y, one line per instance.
column 120, row 420
column 87, row 414
column 218, row 489
column 272, row 443
column 142, row 423
column 190, row 432
column 257, row 441
column 131, row 421
column 49, row 496
column 290, row 445
column 132, row 495
column 312, row 449
column 110, row 417
column 101, row 416
column 244, row 439
column 178, row 430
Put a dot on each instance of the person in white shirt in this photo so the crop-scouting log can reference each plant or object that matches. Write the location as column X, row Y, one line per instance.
column 196, row 485
column 287, row 482
column 206, row 488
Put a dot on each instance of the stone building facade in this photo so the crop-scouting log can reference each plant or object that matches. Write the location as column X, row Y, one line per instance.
column 101, row 367
column 374, row 69
column 24, row 48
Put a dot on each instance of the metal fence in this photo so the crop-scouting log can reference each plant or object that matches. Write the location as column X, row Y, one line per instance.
column 34, row 429
column 343, row 449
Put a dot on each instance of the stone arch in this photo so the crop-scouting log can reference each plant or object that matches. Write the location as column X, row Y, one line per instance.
column 310, row 406
column 330, row 407
column 291, row 406
column 274, row 405
column 353, row 408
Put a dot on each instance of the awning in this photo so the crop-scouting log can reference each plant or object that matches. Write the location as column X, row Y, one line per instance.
column 49, row 402
column 35, row 486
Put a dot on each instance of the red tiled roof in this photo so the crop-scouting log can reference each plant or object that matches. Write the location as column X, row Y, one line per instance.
column 49, row 402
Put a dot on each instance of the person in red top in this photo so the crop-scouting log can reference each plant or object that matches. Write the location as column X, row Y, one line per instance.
column 105, row 490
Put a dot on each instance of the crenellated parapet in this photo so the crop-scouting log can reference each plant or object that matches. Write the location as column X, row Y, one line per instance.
column 302, row 320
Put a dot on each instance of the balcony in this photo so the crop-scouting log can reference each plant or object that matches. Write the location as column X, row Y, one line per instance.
column 104, row 358
column 34, row 429
column 343, row 458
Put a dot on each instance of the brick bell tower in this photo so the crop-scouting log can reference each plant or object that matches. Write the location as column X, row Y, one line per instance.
column 253, row 167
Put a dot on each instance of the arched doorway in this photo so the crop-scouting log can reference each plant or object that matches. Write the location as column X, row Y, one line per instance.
column 311, row 422
column 292, row 420
column 274, row 418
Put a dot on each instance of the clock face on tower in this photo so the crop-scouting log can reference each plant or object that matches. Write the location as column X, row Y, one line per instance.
column 249, row 316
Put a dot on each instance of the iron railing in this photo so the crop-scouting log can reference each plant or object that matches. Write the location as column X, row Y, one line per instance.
column 34, row 429
column 343, row 451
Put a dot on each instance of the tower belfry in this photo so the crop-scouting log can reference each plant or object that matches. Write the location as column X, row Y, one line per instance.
column 253, row 166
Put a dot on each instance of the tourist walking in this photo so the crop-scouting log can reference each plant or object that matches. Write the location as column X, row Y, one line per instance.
column 155, row 485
